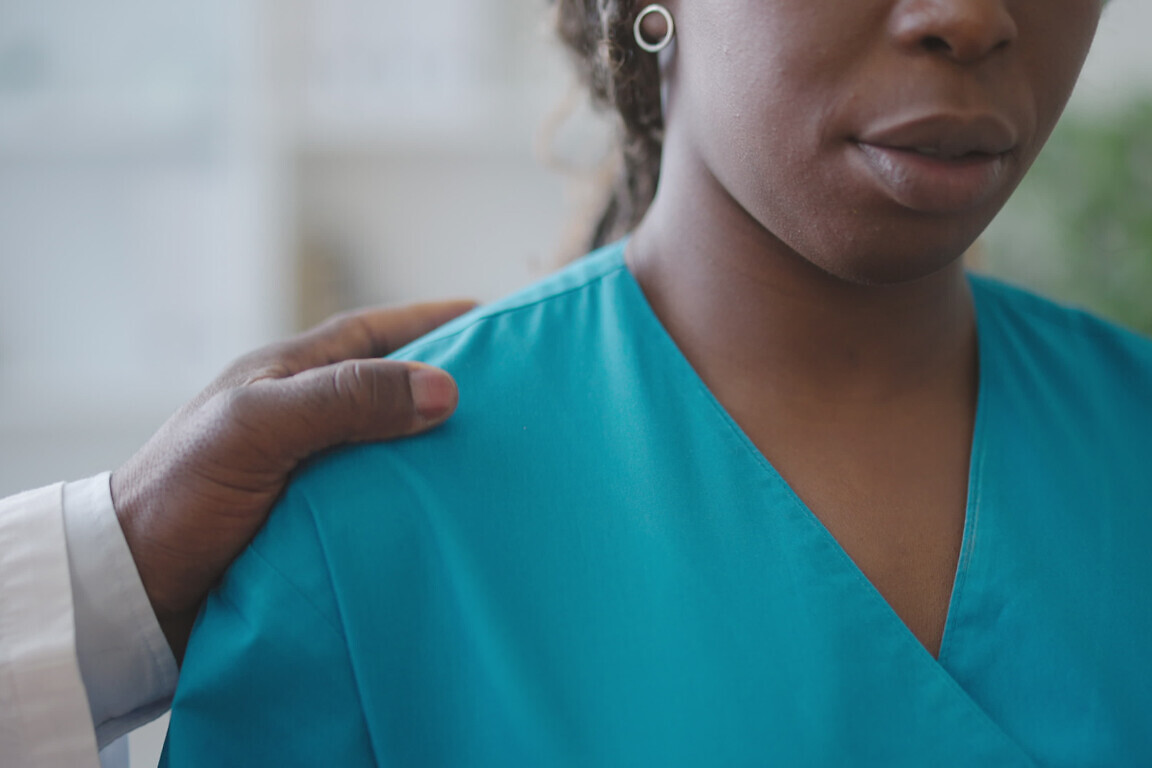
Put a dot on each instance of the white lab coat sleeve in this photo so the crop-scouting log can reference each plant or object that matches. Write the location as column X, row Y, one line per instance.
column 125, row 662
column 44, row 716
column 82, row 657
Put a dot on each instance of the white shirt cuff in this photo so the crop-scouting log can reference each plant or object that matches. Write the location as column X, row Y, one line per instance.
column 128, row 669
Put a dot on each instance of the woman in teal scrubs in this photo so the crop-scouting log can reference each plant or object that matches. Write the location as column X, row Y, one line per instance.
column 770, row 482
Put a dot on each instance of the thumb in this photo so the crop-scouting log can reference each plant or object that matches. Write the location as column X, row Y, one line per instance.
column 352, row 401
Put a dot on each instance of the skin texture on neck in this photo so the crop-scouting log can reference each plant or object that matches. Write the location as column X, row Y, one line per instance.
column 750, row 313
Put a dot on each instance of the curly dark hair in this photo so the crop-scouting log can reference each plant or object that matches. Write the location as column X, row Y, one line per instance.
column 625, row 80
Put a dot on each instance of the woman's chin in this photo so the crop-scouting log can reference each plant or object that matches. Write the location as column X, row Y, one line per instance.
column 893, row 265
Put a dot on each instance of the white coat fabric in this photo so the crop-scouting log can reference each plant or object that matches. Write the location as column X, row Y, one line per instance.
column 82, row 657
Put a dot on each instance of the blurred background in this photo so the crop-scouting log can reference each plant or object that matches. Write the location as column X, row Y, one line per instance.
column 183, row 180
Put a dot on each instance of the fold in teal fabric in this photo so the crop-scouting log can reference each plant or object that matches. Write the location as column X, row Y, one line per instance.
column 591, row 565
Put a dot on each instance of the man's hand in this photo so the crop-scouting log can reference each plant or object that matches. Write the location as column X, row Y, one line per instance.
column 194, row 496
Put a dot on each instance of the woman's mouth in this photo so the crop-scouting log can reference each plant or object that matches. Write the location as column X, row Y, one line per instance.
column 940, row 163
column 931, row 180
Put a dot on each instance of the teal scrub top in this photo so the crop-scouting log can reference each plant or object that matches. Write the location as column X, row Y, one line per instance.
column 591, row 565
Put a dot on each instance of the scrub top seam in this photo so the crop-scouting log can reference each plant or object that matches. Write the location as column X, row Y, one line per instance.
column 342, row 629
column 586, row 283
column 971, row 532
column 283, row 577
column 826, row 540
column 975, row 501
column 961, row 582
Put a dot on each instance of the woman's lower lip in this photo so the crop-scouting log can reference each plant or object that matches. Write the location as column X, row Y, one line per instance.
column 934, row 184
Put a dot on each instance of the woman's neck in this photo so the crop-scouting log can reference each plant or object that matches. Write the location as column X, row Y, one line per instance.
column 758, row 320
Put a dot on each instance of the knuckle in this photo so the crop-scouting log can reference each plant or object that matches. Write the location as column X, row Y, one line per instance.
column 356, row 328
column 280, row 353
column 378, row 393
column 346, row 381
column 334, row 325
column 236, row 406
column 354, row 325
column 350, row 388
column 230, row 415
column 274, row 369
column 337, row 320
column 250, row 426
column 275, row 361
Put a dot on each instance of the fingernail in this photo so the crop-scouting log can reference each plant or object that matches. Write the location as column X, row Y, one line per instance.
column 433, row 392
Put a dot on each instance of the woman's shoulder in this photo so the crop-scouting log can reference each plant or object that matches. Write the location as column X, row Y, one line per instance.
column 527, row 368
column 1057, row 335
column 547, row 310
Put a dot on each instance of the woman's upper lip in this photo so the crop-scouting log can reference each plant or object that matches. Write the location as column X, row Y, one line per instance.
column 947, row 135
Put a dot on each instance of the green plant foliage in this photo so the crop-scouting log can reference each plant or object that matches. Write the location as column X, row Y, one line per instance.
column 1080, row 227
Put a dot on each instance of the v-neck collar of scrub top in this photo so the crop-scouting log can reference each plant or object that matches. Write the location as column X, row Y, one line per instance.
column 985, row 360
column 866, row 596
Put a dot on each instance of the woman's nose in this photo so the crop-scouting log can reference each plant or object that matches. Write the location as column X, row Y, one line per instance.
column 965, row 31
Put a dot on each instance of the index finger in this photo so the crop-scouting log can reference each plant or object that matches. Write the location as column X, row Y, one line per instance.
column 368, row 333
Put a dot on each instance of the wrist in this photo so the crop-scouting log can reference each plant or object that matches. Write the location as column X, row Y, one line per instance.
column 135, row 512
column 170, row 576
